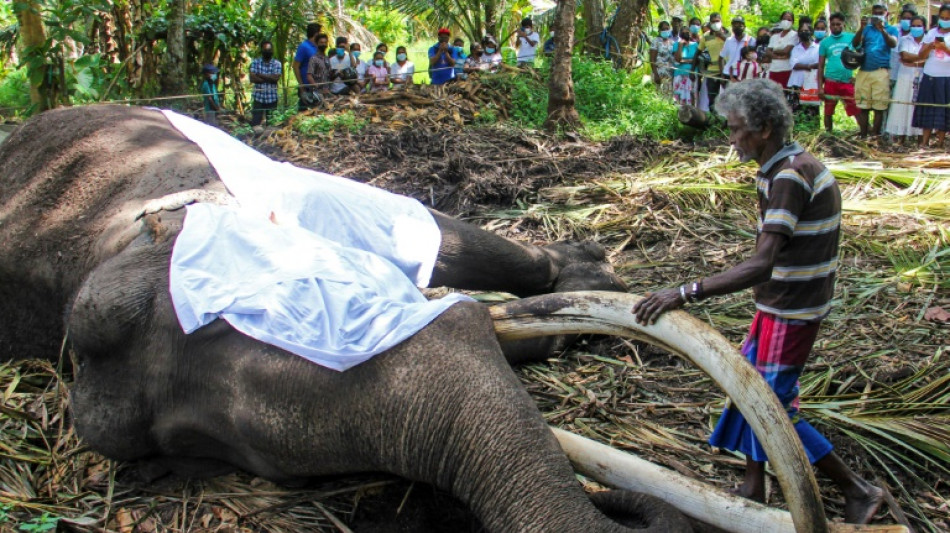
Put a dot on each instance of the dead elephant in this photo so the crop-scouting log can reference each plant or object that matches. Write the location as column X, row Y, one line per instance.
column 443, row 407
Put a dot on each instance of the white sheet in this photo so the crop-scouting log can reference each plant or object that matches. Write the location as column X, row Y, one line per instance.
column 334, row 280
column 345, row 211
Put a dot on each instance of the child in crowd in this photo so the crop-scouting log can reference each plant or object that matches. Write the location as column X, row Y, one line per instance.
column 748, row 68
column 209, row 91
column 378, row 73
column 684, row 51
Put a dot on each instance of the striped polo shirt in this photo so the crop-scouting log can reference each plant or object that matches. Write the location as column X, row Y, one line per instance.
column 799, row 198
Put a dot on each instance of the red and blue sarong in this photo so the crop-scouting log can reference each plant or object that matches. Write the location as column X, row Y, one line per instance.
column 778, row 348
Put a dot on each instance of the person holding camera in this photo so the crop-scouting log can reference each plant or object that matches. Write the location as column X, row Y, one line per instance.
column 526, row 41
column 872, row 85
column 935, row 84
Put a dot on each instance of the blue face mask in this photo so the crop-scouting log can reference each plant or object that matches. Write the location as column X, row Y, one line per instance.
column 400, row 57
column 694, row 28
column 340, row 52
column 378, row 62
column 666, row 34
column 917, row 32
column 490, row 50
column 214, row 77
column 820, row 34
column 356, row 54
column 905, row 24
column 944, row 24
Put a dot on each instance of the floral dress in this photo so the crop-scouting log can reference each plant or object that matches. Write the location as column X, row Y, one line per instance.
column 664, row 57
column 682, row 75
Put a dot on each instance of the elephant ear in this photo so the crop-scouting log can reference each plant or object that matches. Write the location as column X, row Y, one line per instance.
column 610, row 313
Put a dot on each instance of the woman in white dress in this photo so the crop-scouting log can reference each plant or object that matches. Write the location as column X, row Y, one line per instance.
column 900, row 116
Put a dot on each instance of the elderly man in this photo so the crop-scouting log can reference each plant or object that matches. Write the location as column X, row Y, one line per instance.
column 792, row 273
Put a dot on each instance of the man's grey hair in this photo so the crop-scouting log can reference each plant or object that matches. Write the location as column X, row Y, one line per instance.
column 760, row 103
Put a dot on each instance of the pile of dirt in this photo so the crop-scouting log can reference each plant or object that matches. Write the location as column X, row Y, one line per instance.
column 461, row 170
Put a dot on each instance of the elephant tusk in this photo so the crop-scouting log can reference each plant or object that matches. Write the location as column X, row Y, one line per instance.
column 610, row 313
column 692, row 497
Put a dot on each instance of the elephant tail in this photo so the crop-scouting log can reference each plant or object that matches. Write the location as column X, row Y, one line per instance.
column 641, row 512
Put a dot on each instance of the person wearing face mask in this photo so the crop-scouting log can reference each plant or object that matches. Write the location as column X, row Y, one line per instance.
column 442, row 59
column 834, row 80
column 378, row 73
column 780, row 50
column 804, row 77
column 684, row 54
column 265, row 72
column 360, row 66
column 934, row 85
column 872, row 85
column 459, row 45
column 526, row 42
column 474, row 62
column 713, row 42
column 339, row 61
column 732, row 50
column 318, row 72
column 209, row 92
column 821, row 29
column 695, row 29
column 661, row 58
column 908, row 12
column 748, row 68
column 402, row 71
column 492, row 56
column 900, row 117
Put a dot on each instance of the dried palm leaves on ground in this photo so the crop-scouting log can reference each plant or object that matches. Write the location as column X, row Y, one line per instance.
column 878, row 382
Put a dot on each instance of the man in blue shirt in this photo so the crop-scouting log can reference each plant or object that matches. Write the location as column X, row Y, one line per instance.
column 305, row 51
column 442, row 58
column 873, row 82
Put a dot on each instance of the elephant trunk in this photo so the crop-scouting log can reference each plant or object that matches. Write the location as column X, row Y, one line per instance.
column 640, row 511
column 475, row 432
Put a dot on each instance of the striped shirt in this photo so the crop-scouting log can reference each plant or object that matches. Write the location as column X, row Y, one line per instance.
column 265, row 93
column 799, row 198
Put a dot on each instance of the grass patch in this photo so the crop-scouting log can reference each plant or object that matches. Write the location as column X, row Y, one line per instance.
column 325, row 125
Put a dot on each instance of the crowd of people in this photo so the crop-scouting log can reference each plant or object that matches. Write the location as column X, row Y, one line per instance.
column 893, row 79
column 321, row 71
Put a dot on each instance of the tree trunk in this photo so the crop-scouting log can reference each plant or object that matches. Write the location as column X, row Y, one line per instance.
column 561, row 111
column 33, row 34
column 626, row 30
column 491, row 25
column 851, row 9
column 174, row 81
column 594, row 22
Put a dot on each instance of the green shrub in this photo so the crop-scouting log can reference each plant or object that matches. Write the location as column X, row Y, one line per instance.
column 318, row 125
column 610, row 102
column 14, row 92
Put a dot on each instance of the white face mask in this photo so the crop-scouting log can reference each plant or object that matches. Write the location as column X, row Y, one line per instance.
column 716, row 26
column 785, row 25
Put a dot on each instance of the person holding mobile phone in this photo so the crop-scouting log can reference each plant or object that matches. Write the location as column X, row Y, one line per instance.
column 872, row 86
column 934, row 87
column 900, row 116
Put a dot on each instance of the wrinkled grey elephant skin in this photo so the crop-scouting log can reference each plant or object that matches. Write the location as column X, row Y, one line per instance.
column 443, row 407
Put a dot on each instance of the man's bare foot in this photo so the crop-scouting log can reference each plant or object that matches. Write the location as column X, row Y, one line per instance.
column 859, row 508
column 749, row 493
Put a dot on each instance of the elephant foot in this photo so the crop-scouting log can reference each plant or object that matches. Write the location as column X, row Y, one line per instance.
column 582, row 266
column 640, row 511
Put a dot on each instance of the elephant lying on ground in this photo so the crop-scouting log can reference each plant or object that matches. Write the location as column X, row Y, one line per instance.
column 443, row 407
